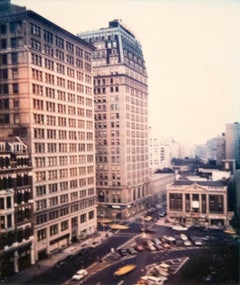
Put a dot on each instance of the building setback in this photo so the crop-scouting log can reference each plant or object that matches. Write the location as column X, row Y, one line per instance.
column 46, row 89
column 121, row 121
column 198, row 203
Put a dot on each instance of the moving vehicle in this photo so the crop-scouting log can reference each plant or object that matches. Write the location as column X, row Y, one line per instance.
column 180, row 228
column 80, row 274
column 124, row 269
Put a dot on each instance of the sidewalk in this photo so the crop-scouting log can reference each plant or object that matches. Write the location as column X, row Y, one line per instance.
column 42, row 266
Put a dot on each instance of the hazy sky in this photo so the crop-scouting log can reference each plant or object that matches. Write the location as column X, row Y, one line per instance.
column 192, row 54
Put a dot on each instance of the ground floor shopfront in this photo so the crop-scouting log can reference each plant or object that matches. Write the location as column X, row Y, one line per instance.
column 116, row 212
column 15, row 258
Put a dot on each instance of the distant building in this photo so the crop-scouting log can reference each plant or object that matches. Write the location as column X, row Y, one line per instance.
column 213, row 151
column 154, row 152
column 233, row 142
column 158, row 185
column 46, row 99
column 16, row 207
column 198, row 203
column 121, row 121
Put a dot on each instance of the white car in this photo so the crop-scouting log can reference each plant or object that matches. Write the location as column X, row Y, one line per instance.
column 80, row 274
column 198, row 242
column 187, row 243
column 179, row 228
column 183, row 237
column 169, row 238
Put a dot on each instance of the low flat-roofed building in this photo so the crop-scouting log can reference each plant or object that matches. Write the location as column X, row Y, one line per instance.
column 198, row 203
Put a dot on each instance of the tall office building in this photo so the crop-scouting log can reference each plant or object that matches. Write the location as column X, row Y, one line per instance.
column 121, row 121
column 46, row 99
column 233, row 142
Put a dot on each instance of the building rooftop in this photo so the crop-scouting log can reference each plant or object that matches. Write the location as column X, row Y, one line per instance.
column 199, row 182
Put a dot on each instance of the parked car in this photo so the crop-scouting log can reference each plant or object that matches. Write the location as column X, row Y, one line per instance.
column 151, row 247
column 198, row 242
column 138, row 247
column 183, row 237
column 187, row 243
column 158, row 246
column 123, row 251
column 162, row 213
column 166, row 245
column 95, row 244
column 60, row 264
column 156, row 241
column 131, row 250
column 169, row 238
column 148, row 218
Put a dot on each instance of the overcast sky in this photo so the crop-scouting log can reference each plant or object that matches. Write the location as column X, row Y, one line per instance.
column 191, row 50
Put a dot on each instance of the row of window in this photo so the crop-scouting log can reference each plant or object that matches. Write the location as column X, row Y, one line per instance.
column 49, row 37
column 63, row 147
column 64, row 173
column 11, row 237
column 10, row 182
column 50, row 106
column 62, row 95
column 63, row 135
column 195, row 204
column 64, row 225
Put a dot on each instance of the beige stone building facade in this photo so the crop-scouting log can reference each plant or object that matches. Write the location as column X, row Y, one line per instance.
column 121, row 121
column 46, row 90
column 198, row 203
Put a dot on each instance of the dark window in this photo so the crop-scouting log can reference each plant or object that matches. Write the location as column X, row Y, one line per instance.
column 3, row 29
column 13, row 42
column 14, row 58
column 9, row 221
column 6, row 104
column 1, row 203
column 15, row 88
column 4, row 58
column 175, row 201
column 3, row 44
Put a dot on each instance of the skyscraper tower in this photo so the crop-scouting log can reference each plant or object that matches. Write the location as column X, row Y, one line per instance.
column 46, row 99
column 233, row 142
column 121, row 121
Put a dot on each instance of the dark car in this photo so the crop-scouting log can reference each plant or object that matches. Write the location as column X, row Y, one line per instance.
column 60, row 264
column 131, row 250
column 123, row 251
column 162, row 213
